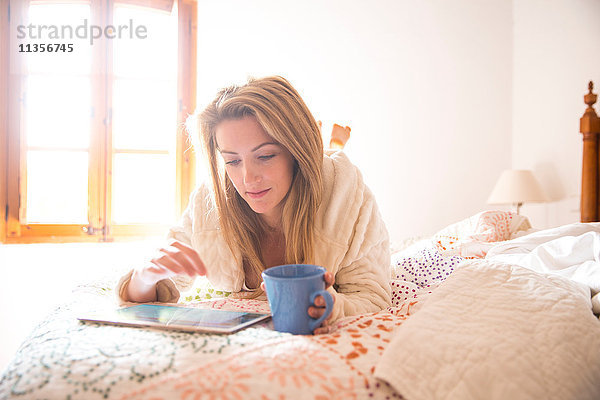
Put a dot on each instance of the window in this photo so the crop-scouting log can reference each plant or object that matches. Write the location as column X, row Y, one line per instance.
column 93, row 145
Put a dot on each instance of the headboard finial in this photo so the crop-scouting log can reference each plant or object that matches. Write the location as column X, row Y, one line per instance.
column 590, row 98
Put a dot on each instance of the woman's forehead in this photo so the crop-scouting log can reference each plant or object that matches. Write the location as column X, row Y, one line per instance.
column 244, row 134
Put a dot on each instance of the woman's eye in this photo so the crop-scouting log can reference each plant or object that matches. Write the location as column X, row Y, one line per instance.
column 268, row 157
column 232, row 162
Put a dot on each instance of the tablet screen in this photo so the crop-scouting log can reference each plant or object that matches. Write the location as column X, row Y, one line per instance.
column 184, row 318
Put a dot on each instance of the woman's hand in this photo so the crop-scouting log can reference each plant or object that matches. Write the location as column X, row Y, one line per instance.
column 174, row 259
column 318, row 309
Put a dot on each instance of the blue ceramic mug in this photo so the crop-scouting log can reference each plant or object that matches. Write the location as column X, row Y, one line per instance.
column 291, row 289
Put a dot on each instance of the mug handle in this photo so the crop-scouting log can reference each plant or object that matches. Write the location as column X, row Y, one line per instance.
column 328, row 308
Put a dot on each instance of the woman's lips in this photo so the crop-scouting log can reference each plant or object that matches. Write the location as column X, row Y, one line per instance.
column 257, row 195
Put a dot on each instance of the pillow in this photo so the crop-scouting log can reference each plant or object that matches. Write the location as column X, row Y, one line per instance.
column 424, row 269
column 474, row 236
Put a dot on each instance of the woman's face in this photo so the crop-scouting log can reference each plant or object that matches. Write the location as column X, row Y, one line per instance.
column 260, row 168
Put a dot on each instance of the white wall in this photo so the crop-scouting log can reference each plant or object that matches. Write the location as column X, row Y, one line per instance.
column 556, row 51
column 425, row 86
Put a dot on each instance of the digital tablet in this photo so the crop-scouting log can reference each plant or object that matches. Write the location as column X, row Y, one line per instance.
column 176, row 318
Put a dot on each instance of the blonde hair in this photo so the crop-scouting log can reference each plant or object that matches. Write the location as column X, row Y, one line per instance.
column 284, row 116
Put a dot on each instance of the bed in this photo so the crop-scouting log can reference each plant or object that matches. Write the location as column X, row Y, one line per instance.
column 487, row 308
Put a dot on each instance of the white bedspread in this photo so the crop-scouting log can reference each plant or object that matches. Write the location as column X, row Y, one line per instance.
column 496, row 331
column 572, row 251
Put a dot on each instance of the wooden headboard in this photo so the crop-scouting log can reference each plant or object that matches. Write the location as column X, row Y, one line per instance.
column 589, row 126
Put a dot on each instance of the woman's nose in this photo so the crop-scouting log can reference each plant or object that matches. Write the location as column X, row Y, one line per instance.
column 251, row 175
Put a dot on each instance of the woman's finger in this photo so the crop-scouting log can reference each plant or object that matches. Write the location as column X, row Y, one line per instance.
column 329, row 279
column 174, row 260
column 192, row 256
column 157, row 269
column 315, row 312
column 152, row 273
column 320, row 301
column 168, row 264
column 176, row 255
column 323, row 329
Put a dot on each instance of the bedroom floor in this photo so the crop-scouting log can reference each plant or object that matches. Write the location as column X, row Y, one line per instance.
column 38, row 277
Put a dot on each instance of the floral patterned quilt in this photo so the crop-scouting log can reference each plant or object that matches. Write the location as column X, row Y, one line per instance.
column 67, row 359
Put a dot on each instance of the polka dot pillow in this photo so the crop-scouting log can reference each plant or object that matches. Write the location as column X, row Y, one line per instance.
column 423, row 270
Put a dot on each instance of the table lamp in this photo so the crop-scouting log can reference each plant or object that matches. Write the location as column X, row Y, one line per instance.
column 517, row 187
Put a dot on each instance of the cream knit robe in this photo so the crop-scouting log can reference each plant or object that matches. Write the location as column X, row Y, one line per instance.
column 351, row 241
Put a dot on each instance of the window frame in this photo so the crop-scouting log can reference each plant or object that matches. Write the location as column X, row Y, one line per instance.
column 4, row 71
column 13, row 150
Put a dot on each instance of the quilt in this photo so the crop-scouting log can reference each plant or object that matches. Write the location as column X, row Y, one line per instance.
column 67, row 359
column 498, row 331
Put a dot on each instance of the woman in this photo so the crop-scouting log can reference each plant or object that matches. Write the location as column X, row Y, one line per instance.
column 275, row 198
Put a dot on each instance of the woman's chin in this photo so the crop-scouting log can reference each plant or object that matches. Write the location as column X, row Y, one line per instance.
column 259, row 208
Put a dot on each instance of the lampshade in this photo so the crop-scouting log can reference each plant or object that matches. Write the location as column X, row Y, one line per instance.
column 516, row 187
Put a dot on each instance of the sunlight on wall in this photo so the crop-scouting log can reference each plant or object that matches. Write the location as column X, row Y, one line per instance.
column 425, row 87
